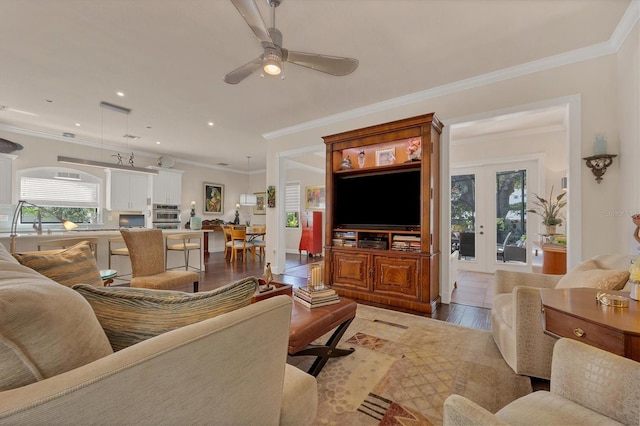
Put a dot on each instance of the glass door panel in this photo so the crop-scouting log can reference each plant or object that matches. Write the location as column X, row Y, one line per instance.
column 511, row 218
column 463, row 215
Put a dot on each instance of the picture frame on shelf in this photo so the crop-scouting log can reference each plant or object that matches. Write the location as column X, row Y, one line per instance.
column 271, row 196
column 315, row 197
column 213, row 198
column 385, row 156
column 261, row 203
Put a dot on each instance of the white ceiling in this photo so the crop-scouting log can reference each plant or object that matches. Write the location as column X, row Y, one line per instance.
column 60, row 58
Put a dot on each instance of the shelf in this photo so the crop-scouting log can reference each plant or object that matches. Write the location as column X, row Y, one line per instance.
column 380, row 169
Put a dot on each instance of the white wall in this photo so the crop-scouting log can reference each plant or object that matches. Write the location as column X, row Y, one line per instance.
column 594, row 80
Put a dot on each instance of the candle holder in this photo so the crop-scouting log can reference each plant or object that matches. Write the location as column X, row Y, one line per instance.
column 598, row 164
column 315, row 277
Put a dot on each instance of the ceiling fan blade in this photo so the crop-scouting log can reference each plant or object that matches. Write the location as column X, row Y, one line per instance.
column 237, row 75
column 249, row 11
column 333, row 65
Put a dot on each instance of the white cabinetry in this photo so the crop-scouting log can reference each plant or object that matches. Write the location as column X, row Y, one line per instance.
column 167, row 186
column 127, row 190
column 6, row 178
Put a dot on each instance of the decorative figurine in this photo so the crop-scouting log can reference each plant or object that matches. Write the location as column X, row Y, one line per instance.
column 265, row 280
column 361, row 159
column 346, row 164
column 131, row 160
column 118, row 157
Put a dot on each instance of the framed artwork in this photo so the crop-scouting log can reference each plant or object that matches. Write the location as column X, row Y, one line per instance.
column 213, row 198
column 315, row 197
column 271, row 196
column 261, row 203
column 385, row 156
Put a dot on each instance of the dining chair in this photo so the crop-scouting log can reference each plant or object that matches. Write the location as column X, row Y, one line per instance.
column 146, row 251
column 184, row 242
column 239, row 243
column 117, row 247
column 258, row 241
column 226, row 230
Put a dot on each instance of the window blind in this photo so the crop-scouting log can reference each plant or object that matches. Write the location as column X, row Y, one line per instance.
column 59, row 193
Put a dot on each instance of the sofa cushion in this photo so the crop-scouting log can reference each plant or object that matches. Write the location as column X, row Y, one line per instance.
column 73, row 265
column 590, row 274
column 131, row 315
column 503, row 307
column 45, row 329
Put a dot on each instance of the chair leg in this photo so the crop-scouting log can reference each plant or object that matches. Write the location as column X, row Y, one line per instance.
column 186, row 260
column 195, row 286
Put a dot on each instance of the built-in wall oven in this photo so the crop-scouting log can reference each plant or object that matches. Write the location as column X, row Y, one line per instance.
column 165, row 216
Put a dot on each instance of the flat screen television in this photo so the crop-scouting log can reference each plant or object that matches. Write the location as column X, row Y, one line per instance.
column 379, row 201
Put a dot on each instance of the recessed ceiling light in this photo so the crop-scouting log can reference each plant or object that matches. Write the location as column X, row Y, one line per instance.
column 157, row 142
column 223, row 164
column 121, row 94
column 211, row 123
column 77, row 124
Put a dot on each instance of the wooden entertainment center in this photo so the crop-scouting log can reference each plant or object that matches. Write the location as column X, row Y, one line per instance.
column 382, row 237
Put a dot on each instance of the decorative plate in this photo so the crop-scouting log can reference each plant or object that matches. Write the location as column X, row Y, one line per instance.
column 166, row 161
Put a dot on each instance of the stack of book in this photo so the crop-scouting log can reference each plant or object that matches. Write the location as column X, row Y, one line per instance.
column 406, row 243
column 315, row 298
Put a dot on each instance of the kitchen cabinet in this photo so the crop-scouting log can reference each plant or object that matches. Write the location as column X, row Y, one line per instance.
column 382, row 236
column 6, row 178
column 127, row 191
column 166, row 186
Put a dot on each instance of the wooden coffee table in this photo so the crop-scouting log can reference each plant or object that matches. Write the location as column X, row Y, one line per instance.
column 576, row 314
column 308, row 325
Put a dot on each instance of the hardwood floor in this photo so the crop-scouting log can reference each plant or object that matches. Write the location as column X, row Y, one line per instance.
column 220, row 271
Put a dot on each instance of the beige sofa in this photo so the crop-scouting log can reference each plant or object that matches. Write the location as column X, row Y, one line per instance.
column 58, row 366
column 588, row 387
column 515, row 316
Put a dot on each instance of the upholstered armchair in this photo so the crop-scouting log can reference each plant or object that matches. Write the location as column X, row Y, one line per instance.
column 516, row 313
column 516, row 323
column 588, row 387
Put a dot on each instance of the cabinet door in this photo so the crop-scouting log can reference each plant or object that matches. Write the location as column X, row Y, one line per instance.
column 117, row 191
column 351, row 270
column 5, row 180
column 396, row 276
column 167, row 188
column 174, row 188
column 126, row 191
column 138, row 191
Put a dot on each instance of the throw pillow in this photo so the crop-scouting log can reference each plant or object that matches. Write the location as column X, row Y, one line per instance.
column 588, row 274
column 73, row 265
column 131, row 315
column 45, row 329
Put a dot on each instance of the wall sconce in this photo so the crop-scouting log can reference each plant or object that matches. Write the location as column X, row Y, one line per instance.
column 598, row 164
column 68, row 225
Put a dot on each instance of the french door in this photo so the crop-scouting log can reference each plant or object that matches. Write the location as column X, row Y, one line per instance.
column 488, row 215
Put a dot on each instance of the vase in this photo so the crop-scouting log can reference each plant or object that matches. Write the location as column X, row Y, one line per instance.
column 551, row 229
column 195, row 223
column 635, row 290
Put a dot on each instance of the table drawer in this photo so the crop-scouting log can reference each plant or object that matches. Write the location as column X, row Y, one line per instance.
column 563, row 325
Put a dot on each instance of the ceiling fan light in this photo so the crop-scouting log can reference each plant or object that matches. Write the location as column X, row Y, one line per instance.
column 248, row 200
column 272, row 64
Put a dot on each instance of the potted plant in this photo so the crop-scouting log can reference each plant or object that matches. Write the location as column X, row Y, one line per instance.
column 549, row 210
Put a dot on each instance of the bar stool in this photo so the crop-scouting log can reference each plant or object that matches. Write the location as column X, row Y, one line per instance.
column 184, row 243
column 117, row 247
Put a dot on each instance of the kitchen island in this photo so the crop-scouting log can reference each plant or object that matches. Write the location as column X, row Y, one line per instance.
column 28, row 241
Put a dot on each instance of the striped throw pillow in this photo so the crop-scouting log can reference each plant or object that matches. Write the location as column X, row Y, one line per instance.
column 73, row 265
column 131, row 315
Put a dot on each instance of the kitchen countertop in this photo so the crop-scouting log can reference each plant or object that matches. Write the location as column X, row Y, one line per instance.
column 80, row 232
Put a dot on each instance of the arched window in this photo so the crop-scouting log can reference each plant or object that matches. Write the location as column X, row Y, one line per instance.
column 65, row 193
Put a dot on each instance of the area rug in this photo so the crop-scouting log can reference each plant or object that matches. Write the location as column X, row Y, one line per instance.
column 405, row 366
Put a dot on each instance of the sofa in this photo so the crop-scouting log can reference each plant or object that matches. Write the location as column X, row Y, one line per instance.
column 59, row 365
column 515, row 316
column 589, row 386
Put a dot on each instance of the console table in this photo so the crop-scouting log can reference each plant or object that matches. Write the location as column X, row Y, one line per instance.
column 575, row 313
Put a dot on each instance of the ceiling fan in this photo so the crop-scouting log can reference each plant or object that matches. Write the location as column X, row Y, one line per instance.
column 274, row 54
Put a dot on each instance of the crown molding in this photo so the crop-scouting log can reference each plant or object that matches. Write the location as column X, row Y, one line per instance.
column 511, row 134
column 619, row 35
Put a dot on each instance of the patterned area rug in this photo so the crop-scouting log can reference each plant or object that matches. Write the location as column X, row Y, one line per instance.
column 405, row 366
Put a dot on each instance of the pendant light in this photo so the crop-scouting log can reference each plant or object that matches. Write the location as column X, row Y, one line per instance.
column 248, row 199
